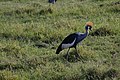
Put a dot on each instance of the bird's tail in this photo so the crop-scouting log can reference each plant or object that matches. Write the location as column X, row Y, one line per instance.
column 58, row 50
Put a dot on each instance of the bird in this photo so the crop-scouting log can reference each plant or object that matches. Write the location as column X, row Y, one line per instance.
column 73, row 39
column 52, row 1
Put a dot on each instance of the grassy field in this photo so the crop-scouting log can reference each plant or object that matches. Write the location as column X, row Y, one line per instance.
column 31, row 30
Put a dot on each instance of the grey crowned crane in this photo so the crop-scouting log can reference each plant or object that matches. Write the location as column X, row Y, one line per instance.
column 73, row 39
column 52, row 1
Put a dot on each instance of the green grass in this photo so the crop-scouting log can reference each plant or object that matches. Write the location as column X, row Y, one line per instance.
column 31, row 30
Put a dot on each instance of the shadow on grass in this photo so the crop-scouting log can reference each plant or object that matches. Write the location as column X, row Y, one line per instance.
column 102, row 32
column 111, row 4
column 11, row 66
column 95, row 74
column 33, row 38
column 5, row 0
column 72, row 58
column 30, row 11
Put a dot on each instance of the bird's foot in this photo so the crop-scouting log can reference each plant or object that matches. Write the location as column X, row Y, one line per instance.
column 66, row 57
column 79, row 57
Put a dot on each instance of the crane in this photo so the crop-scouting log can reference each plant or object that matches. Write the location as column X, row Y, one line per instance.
column 52, row 1
column 73, row 39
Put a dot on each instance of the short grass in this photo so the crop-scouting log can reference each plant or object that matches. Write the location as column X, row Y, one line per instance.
column 31, row 30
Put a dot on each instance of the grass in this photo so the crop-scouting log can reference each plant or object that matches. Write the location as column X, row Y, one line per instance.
column 31, row 30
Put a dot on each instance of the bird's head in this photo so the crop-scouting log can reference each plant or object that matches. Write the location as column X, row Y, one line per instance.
column 88, row 25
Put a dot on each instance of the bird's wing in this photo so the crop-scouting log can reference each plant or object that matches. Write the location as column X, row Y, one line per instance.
column 69, row 39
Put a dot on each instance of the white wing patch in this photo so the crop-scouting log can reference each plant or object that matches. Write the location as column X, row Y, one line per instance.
column 64, row 46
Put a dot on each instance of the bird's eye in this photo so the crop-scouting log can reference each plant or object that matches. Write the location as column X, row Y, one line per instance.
column 90, row 27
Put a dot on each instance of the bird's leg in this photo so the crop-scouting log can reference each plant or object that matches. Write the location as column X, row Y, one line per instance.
column 77, row 55
column 49, row 7
column 67, row 54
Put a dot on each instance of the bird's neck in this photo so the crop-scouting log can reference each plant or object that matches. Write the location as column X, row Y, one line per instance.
column 87, row 32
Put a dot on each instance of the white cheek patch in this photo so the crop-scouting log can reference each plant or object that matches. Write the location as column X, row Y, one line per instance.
column 88, row 27
column 64, row 46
